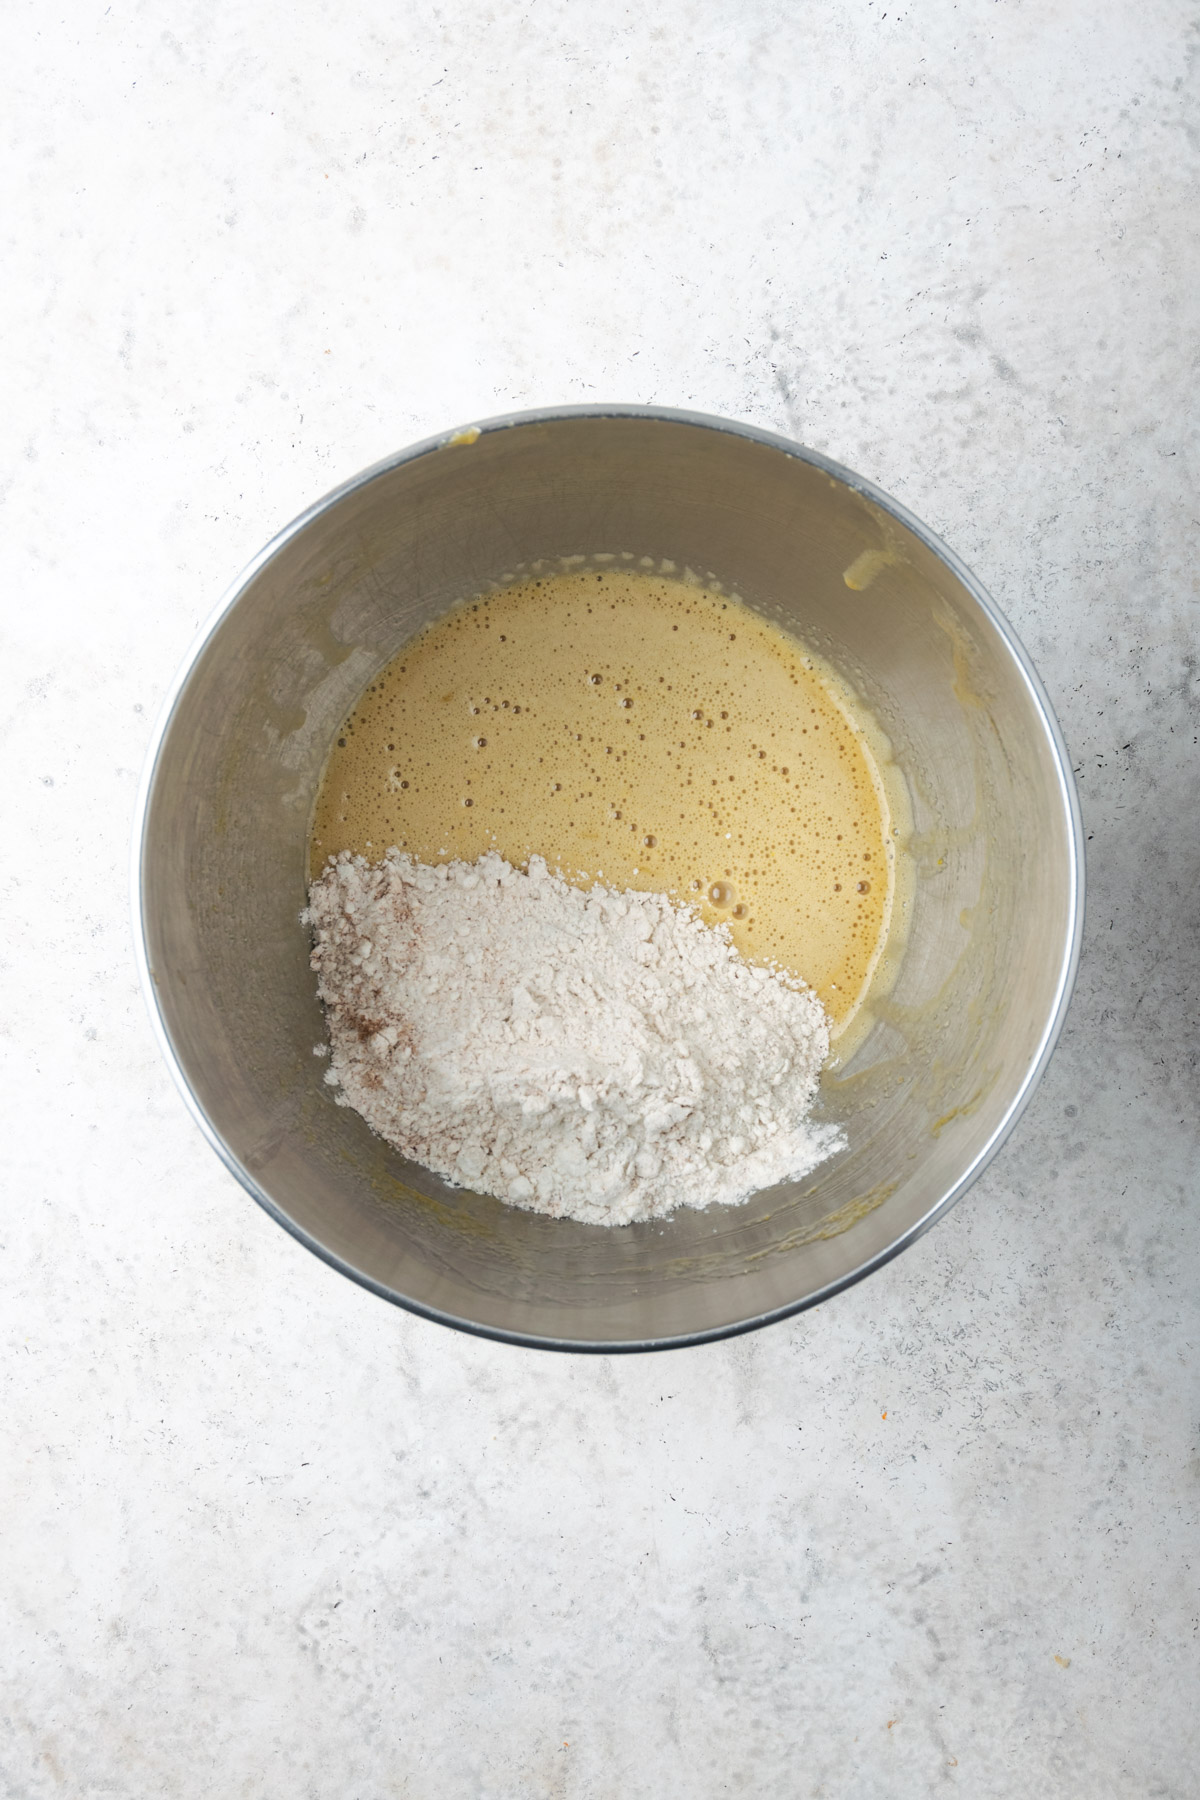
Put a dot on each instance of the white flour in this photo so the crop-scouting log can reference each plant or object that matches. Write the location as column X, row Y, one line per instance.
column 596, row 1056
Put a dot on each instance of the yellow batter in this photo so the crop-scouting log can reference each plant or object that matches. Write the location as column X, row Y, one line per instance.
column 641, row 731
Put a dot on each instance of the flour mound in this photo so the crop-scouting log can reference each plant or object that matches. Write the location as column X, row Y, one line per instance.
column 591, row 1055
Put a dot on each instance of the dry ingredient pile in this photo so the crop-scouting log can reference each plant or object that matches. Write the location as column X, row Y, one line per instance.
column 595, row 1055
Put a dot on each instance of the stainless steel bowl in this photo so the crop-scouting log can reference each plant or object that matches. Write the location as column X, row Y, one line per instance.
column 996, row 909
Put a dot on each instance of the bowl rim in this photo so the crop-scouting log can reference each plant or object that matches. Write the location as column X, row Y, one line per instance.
column 467, row 435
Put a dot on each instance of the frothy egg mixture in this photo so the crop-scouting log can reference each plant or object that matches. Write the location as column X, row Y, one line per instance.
column 644, row 732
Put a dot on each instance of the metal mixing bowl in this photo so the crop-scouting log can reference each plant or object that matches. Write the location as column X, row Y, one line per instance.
column 996, row 908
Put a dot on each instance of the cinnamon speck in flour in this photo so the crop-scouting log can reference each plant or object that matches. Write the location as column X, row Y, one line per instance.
column 595, row 1055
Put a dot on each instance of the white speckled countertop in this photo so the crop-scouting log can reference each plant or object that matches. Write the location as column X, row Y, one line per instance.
column 266, row 1536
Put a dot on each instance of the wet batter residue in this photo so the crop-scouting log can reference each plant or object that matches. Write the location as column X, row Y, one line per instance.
column 638, row 730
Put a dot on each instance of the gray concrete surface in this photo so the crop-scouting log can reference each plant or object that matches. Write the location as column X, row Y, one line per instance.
column 265, row 1536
